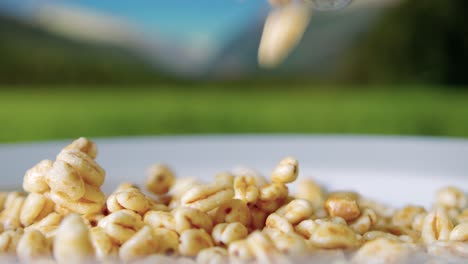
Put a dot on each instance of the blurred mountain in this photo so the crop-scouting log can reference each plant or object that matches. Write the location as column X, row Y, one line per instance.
column 30, row 54
column 77, row 45
column 172, row 54
column 371, row 41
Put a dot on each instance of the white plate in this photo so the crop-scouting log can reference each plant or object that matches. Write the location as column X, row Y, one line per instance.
column 395, row 170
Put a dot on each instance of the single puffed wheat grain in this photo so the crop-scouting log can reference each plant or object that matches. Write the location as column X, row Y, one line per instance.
column 72, row 243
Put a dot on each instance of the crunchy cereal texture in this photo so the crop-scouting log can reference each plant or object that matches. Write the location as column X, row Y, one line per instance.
column 160, row 179
column 35, row 178
column 193, row 241
column 33, row 245
column 191, row 218
column 141, row 244
column 207, row 197
column 344, row 207
column 121, row 225
column 128, row 198
column 72, row 243
column 239, row 216
column 226, row 233
column 102, row 243
column 286, row 171
column 213, row 255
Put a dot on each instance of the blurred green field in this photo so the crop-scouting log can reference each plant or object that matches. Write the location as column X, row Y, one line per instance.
column 42, row 113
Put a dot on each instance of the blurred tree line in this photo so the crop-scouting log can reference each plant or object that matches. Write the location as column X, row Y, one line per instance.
column 414, row 42
column 417, row 41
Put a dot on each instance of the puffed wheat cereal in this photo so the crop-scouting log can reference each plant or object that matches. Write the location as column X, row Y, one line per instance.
column 289, row 243
column 35, row 178
column 207, row 197
column 35, row 207
column 459, row 233
column 84, row 165
column 333, row 236
column 273, row 191
column 121, row 225
column 240, row 250
column 286, row 171
column 214, row 255
column 102, row 244
column 226, row 233
column 452, row 251
column 451, row 197
column 344, row 207
column 141, row 244
column 258, row 218
column 278, row 222
column 72, row 243
column 33, row 246
column 296, row 211
column 306, row 228
column 238, row 217
column 159, row 219
column 462, row 217
column 91, row 202
column 160, row 179
column 436, row 226
column 366, row 221
column 264, row 249
column 373, row 235
column 182, row 185
column 168, row 241
column 193, row 241
column 259, row 179
column 130, row 198
column 308, row 190
column 9, row 240
column 47, row 225
column 84, row 145
column 233, row 211
column 246, row 189
column 405, row 216
column 191, row 218
column 10, row 216
column 225, row 178
column 382, row 250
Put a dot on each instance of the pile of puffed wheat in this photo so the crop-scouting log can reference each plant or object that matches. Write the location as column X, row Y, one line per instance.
column 241, row 217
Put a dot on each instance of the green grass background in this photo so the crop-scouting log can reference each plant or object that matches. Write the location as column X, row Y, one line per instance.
column 42, row 113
